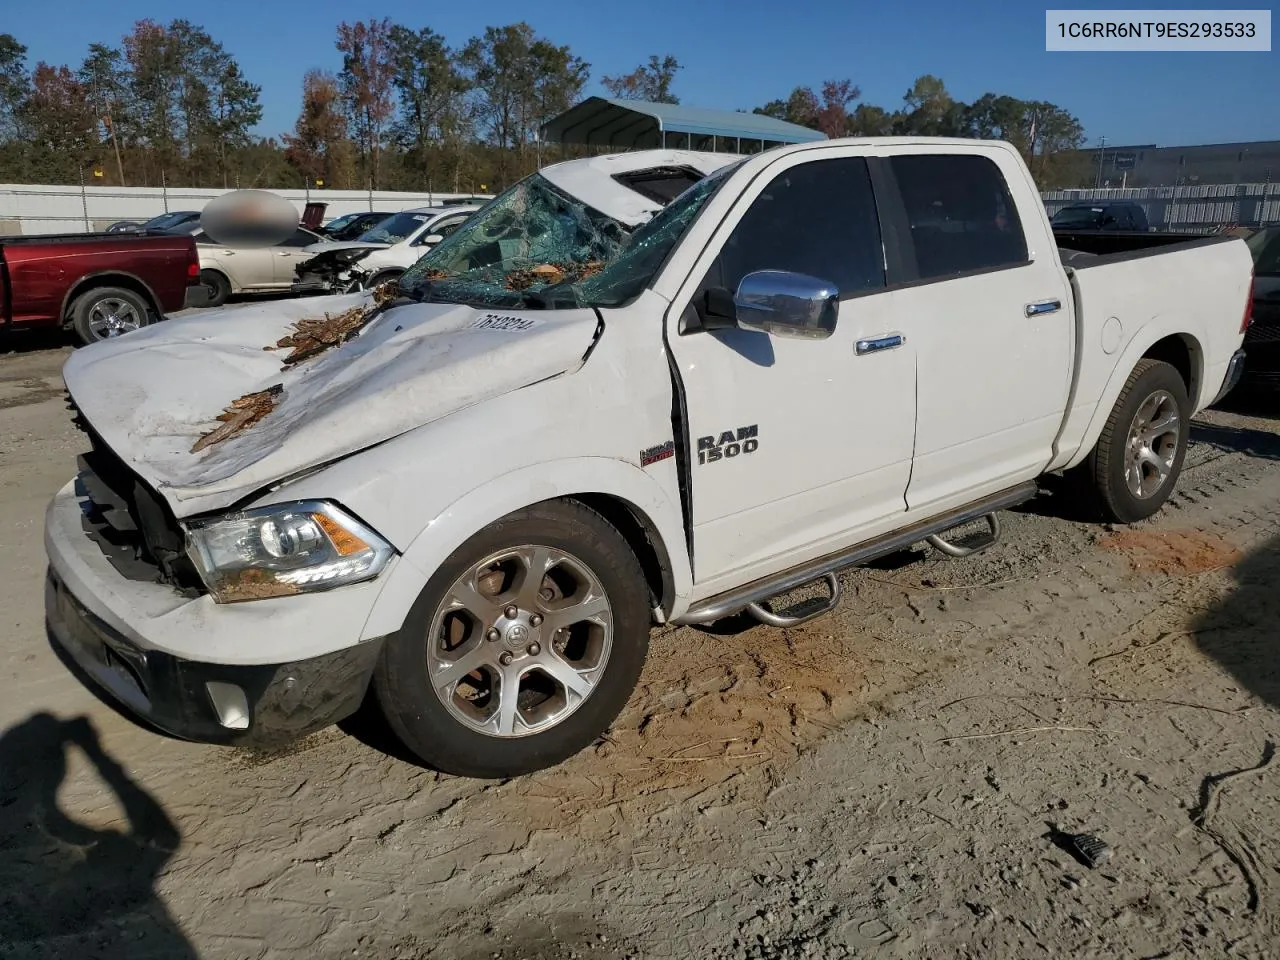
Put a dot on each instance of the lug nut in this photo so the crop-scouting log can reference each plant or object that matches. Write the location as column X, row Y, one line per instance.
column 534, row 649
column 506, row 659
column 511, row 612
column 536, row 619
column 493, row 634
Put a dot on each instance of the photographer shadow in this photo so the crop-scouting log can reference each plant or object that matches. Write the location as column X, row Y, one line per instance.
column 66, row 888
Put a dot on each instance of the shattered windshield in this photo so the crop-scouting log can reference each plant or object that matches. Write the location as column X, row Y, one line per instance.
column 537, row 246
column 397, row 228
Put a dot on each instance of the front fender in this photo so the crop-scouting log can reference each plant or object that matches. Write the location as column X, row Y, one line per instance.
column 472, row 512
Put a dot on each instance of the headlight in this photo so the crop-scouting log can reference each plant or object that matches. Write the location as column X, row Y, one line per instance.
column 284, row 549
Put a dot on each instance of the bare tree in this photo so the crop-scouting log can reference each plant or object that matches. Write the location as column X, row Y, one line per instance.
column 651, row 81
column 366, row 82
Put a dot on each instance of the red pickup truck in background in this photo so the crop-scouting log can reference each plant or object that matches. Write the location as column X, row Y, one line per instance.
column 98, row 285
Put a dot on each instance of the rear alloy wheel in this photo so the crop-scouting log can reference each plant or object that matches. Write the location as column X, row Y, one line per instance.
column 1152, row 445
column 1134, row 467
column 108, row 312
column 522, row 648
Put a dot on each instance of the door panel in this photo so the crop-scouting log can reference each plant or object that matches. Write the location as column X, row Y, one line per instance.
column 993, row 328
column 795, row 446
column 289, row 254
column 249, row 268
column 286, row 260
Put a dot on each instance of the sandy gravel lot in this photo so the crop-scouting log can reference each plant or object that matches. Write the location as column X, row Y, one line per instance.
column 891, row 781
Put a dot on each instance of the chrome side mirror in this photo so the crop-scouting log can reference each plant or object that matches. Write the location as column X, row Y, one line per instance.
column 785, row 304
column 432, row 239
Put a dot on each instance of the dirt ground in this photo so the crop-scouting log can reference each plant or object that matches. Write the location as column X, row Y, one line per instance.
column 896, row 780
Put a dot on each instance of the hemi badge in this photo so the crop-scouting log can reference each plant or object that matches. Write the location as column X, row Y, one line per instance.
column 662, row 451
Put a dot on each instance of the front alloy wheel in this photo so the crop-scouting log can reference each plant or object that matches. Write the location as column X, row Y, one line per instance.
column 522, row 647
column 520, row 641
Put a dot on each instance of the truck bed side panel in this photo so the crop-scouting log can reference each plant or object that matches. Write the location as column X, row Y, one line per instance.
column 1125, row 303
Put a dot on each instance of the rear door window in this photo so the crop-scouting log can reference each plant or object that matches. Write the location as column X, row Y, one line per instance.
column 961, row 214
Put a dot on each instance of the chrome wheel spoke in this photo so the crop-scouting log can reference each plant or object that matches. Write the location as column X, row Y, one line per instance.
column 508, row 711
column 445, row 678
column 464, row 595
column 590, row 608
column 1155, row 462
column 1133, row 477
column 565, row 675
column 537, row 561
column 1167, row 423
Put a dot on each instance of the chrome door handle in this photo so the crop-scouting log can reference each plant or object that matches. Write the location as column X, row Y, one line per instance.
column 1043, row 307
column 888, row 341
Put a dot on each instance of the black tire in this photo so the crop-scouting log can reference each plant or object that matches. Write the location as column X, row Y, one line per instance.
column 383, row 276
column 418, row 715
column 87, row 313
column 217, row 288
column 1099, row 482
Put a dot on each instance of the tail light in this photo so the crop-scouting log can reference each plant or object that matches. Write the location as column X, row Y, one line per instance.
column 1248, row 308
column 193, row 269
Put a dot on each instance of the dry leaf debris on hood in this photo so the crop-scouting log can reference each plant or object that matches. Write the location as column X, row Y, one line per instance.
column 241, row 415
column 313, row 335
column 310, row 336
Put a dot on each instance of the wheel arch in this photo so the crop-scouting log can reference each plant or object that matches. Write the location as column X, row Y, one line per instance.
column 220, row 272
column 110, row 278
column 1183, row 351
column 627, row 497
column 384, row 275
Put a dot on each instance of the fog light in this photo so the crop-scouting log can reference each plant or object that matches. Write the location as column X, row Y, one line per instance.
column 230, row 703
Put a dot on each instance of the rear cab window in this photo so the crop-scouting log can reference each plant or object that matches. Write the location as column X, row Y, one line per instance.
column 960, row 214
column 660, row 184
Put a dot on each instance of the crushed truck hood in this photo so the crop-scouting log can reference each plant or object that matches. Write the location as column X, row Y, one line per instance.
column 151, row 395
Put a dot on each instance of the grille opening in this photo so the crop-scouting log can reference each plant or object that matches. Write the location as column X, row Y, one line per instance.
column 129, row 522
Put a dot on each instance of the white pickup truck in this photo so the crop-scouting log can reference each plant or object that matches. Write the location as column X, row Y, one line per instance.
column 655, row 387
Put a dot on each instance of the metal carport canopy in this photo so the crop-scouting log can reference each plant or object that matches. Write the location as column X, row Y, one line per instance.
column 626, row 124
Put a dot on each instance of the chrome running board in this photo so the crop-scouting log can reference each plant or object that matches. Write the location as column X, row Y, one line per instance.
column 733, row 601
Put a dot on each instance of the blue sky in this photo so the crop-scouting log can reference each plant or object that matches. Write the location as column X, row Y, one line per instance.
column 741, row 53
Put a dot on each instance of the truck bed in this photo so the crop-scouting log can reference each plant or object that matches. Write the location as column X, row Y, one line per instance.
column 1122, row 297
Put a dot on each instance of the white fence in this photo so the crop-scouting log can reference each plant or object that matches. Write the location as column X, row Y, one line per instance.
column 30, row 208
column 1187, row 208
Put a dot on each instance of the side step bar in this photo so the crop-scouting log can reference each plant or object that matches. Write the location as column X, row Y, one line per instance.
column 974, row 545
column 802, row 612
column 757, row 592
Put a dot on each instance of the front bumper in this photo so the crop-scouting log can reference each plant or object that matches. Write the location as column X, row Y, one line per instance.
column 259, row 673
column 262, row 705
